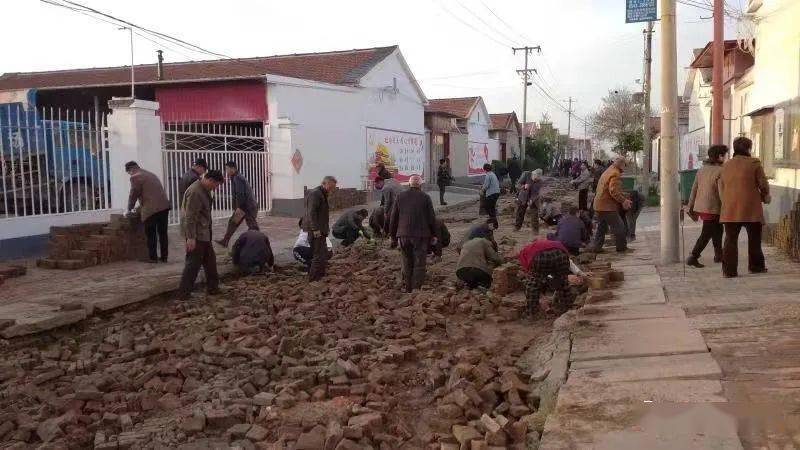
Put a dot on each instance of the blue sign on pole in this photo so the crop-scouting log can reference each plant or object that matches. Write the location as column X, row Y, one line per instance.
column 641, row 11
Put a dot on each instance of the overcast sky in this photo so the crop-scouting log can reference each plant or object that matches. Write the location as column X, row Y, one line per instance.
column 587, row 48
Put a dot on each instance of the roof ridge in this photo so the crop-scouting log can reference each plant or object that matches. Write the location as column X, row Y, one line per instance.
column 203, row 61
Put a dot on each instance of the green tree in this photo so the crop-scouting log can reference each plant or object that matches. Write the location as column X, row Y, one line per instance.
column 538, row 153
column 619, row 120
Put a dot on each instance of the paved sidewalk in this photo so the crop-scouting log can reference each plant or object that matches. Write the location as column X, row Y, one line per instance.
column 640, row 376
column 45, row 299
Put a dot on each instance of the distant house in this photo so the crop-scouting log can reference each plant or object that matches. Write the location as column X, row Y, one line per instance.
column 460, row 131
column 506, row 130
column 333, row 113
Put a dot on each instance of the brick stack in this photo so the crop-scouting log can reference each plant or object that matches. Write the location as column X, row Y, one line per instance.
column 11, row 271
column 505, row 279
column 786, row 233
column 347, row 198
column 80, row 246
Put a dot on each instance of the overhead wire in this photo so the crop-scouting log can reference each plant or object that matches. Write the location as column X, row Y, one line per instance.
column 499, row 33
column 441, row 5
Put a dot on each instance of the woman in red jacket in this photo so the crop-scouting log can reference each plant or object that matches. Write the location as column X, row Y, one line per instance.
column 549, row 266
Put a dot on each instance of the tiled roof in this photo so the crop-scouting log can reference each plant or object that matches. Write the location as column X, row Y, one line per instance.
column 457, row 107
column 530, row 129
column 504, row 121
column 340, row 67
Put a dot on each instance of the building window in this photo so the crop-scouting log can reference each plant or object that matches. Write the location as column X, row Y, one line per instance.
column 787, row 134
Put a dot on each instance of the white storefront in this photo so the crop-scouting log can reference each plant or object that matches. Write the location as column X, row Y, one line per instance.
column 343, row 131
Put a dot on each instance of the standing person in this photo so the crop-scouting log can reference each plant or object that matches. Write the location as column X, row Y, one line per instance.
column 705, row 204
column 413, row 227
column 632, row 215
column 350, row 226
column 491, row 189
column 196, row 229
column 514, row 172
column 389, row 190
column 582, row 183
column 529, row 188
column 575, row 169
column 147, row 189
column 252, row 252
column 743, row 188
column 317, row 224
column 377, row 221
column 549, row 266
column 443, row 178
column 194, row 173
column 610, row 197
column 245, row 207
column 476, row 261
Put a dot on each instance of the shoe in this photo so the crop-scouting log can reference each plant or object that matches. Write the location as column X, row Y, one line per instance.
column 764, row 270
column 163, row 260
column 443, row 204
column 730, row 276
column 627, row 250
column 694, row 262
column 152, row 261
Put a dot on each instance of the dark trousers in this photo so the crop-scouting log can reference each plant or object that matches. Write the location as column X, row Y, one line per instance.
column 712, row 231
column 442, row 188
column 348, row 236
column 730, row 250
column 474, row 277
column 155, row 228
column 513, row 184
column 319, row 257
column 236, row 220
column 202, row 256
column 583, row 199
column 534, row 213
column 606, row 220
column 491, row 208
column 415, row 253
column 549, row 271
column 631, row 217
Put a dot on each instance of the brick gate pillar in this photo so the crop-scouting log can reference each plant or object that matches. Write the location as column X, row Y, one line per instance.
column 134, row 134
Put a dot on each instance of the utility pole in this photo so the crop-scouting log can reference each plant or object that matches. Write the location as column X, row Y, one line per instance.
column 569, row 130
column 526, row 72
column 646, row 139
column 132, row 75
column 670, row 204
column 586, row 155
column 716, row 74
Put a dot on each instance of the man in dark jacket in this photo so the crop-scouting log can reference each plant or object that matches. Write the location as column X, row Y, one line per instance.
column 252, row 252
column 317, row 224
column 196, row 229
column 194, row 173
column 571, row 231
column 514, row 172
column 390, row 189
column 377, row 221
column 244, row 205
column 443, row 178
column 528, row 190
column 413, row 226
column 147, row 189
column 350, row 226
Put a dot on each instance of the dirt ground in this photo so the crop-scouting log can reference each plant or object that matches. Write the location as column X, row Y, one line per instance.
column 276, row 362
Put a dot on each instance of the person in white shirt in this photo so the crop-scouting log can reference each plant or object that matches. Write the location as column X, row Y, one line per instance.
column 302, row 249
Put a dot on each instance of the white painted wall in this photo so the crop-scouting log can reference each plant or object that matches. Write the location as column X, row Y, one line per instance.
column 327, row 123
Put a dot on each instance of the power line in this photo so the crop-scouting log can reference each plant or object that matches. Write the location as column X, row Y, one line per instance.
column 449, row 12
column 461, row 75
column 499, row 33
column 525, row 38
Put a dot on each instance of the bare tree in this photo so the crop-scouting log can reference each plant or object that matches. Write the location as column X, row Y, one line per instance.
column 619, row 120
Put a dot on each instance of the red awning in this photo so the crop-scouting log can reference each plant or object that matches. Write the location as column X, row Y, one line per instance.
column 238, row 101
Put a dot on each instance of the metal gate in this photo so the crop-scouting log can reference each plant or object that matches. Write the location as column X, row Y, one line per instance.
column 183, row 143
column 53, row 161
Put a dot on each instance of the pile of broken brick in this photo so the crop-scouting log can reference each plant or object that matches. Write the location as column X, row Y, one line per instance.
column 8, row 271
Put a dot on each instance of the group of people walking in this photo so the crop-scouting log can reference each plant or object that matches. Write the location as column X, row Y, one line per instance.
column 728, row 196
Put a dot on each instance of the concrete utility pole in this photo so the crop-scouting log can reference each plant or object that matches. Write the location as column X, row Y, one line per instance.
column 716, row 74
column 586, row 154
column 569, row 130
column 526, row 72
column 646, row 138
column 670, row 203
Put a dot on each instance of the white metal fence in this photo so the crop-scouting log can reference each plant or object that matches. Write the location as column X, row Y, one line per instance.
column 53, row 161
column 183, row 143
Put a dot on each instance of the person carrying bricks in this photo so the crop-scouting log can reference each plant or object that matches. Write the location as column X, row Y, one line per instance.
column 245, row 207
column 196, row 229
column 317, row 224
column 350, row 226
column 549, row 266
column 476, row 261
column 413, row 228
column 194, row 173
column 147, row 190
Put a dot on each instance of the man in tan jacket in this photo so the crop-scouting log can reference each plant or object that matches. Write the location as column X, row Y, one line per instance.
column 147, row 189
column 743, row 188
column 607, row 201
column 196, row 228
column 705, row 204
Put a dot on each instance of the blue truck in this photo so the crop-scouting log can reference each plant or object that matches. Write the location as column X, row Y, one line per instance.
column 49, row 164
